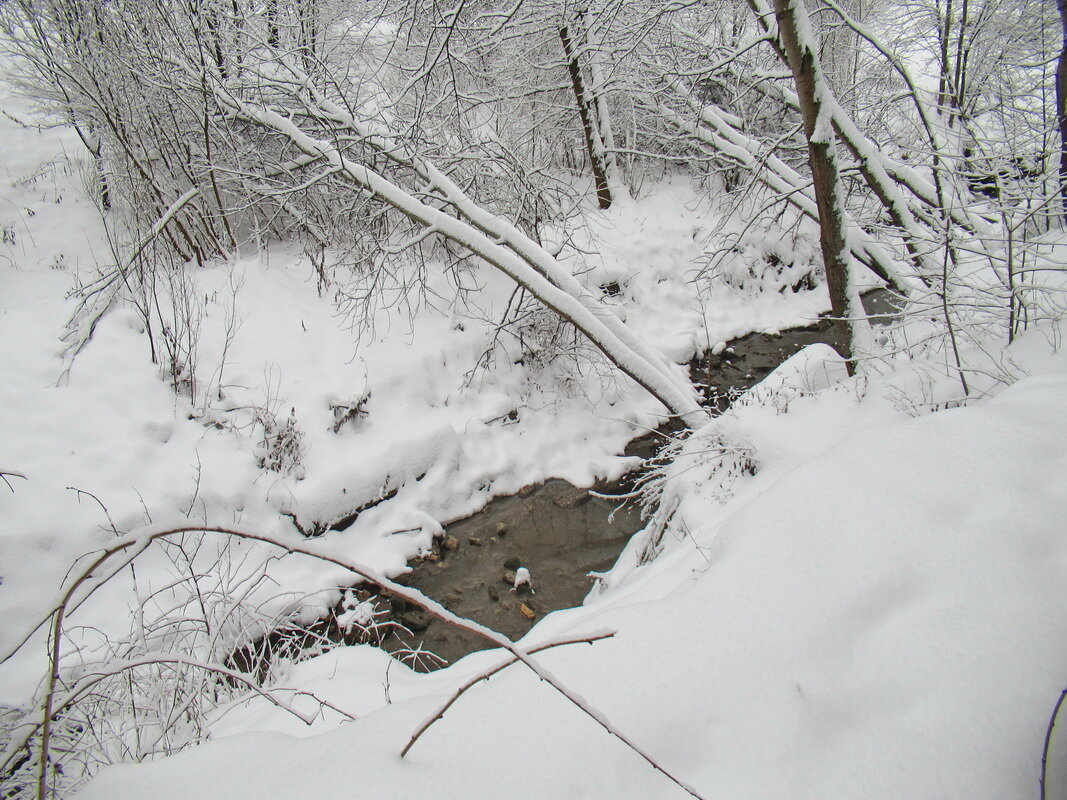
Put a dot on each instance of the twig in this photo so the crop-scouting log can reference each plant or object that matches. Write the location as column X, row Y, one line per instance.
column 7, row 473
column 103, row 508
column 484, row 676
column 1048, row 740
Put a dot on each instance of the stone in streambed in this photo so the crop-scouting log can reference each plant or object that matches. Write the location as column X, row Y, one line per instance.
column 415, row 621
column 571, row 497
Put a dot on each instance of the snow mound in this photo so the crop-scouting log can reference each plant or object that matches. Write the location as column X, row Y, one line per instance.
column 885, row 620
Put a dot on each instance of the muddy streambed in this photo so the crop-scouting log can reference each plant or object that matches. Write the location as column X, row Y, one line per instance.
column 555, row 531
column 558, row 532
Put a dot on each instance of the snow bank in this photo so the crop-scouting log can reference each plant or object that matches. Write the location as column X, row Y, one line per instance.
column 454, row 414
column 885, row 620
column 379, row 470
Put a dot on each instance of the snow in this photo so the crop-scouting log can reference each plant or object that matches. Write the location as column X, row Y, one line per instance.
column 882, row 620
column 522, row 577
column 854, row 597
column 436, row 429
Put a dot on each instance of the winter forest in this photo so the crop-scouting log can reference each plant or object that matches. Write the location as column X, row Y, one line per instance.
column 533, row 399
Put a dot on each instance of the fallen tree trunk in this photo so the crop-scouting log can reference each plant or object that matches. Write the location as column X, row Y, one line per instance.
column 487, row 236
column 794, row 189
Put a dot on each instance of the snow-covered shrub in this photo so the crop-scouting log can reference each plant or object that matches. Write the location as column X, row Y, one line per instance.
column 178, row 362
column 151, row 692
column 349, row 411
column 762, row 272
column 283, row 641
column 547, row 356
column 187, row 658
column 556, row 358
column 281, row 448
column 215, row 633
column 707, row 464
column 551, row 347
column 774, row 250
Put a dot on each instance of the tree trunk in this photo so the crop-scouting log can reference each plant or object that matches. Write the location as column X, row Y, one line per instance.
column 273, row 33
column 795, row 34
column 1061, row 107
column 213, row 23
column 599, row 103
column 306, row 15
column 596, row 161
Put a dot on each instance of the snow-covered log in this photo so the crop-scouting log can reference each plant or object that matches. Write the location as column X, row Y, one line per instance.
column 496, row 241
column 716, row 130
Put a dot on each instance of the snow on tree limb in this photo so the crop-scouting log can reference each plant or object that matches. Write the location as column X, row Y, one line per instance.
column 494, row 240
column 879, row 171
column 779, row 177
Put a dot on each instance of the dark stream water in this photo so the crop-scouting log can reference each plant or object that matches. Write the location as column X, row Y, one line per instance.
column 561, row 533
column 556, row 531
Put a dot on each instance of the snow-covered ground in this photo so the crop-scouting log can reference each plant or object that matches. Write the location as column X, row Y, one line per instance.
column 877, row 612
column 106, row 431
column 884, row 618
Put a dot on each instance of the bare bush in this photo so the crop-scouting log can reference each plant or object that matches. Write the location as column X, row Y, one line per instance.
column 80, row 680
column 281, row 447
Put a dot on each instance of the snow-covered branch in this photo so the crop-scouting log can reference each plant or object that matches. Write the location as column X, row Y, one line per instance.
column 491, row 238
column 121, row 552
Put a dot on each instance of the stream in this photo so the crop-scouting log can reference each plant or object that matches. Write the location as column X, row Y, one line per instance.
column 561, row 533
column 557, row 532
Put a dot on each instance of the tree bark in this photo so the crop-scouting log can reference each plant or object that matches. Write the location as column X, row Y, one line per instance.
column 599, row 104
column 273, row 33
column 308, row 25
column 596, row 161
column 794, row 33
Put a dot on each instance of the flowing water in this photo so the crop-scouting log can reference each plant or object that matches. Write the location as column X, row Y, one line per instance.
column 556, row 532
column 560, row 533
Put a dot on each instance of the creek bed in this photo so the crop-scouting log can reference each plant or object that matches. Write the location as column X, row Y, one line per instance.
column 559, row 532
